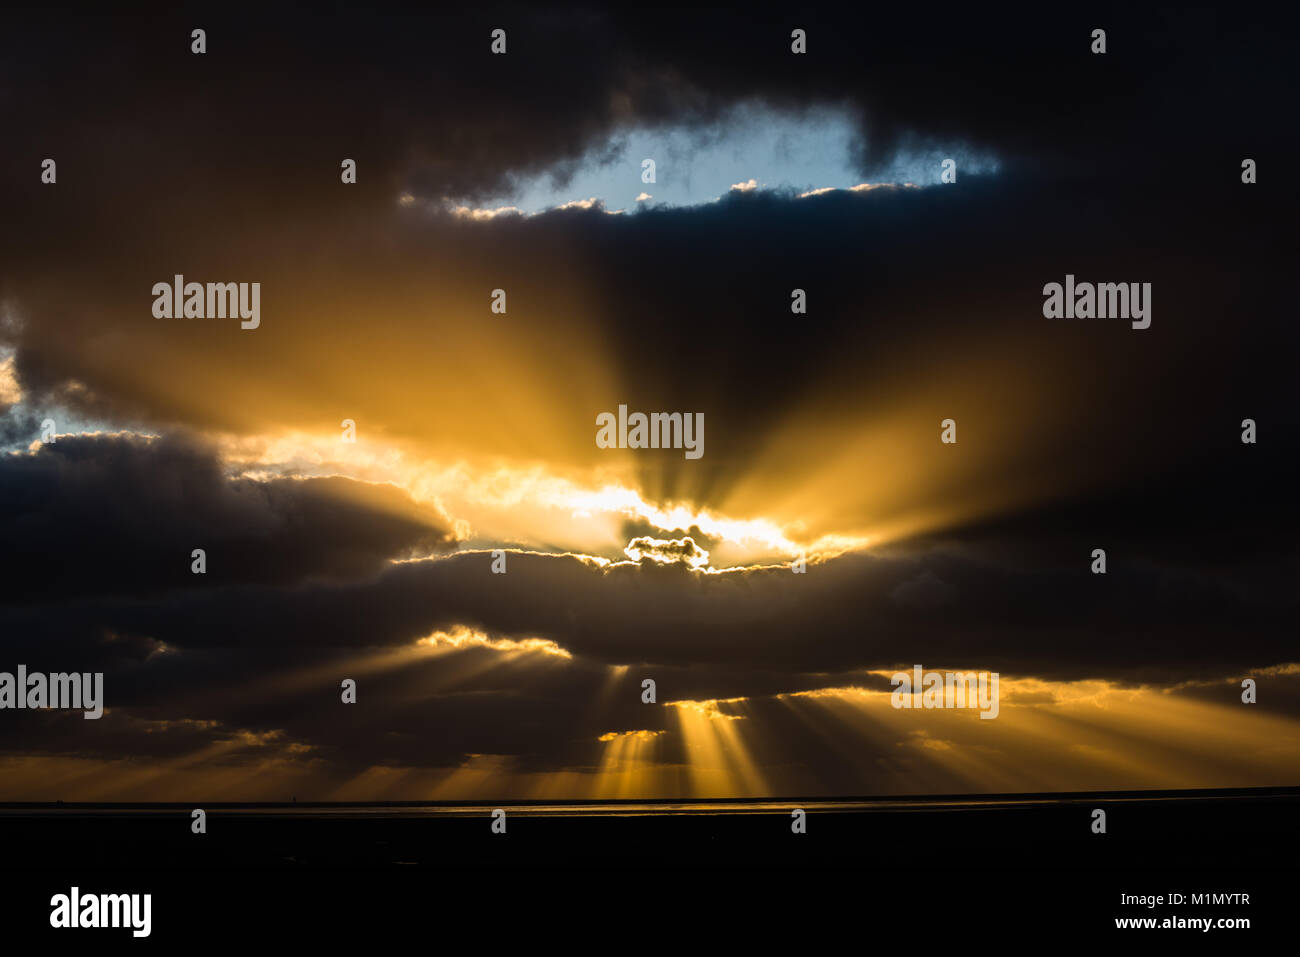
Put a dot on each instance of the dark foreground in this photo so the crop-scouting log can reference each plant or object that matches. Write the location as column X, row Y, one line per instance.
column 947, row 871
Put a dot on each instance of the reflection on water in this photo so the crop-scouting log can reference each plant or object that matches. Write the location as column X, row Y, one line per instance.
column 649, row 808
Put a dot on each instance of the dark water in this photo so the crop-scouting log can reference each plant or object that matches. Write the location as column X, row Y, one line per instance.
column 1016, row 860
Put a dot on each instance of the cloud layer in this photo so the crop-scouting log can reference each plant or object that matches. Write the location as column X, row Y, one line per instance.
column 923, row 304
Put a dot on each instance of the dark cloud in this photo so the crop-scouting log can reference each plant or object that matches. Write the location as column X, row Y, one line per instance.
column 18, row 425
column 121, row 515
column 1108, row 173
column 1139, row 620
column 422, row 92
column 1121, row 167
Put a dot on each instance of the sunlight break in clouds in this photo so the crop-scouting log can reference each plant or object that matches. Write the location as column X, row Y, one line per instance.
column 753, row 143
column 498, row 503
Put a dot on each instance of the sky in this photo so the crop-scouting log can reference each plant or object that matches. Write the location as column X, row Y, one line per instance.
column 476, row 430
